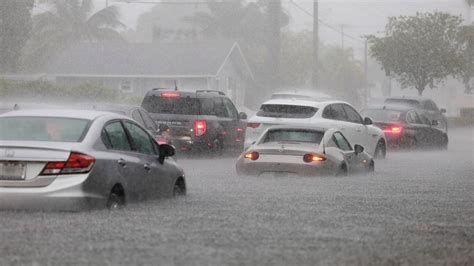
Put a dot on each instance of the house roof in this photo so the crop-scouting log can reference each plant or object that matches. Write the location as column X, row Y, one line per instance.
column 152, row 59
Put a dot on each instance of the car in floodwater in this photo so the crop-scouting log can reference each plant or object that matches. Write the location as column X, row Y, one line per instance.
column 324, row 114
column 425, row 105
column 303, row 151
column 406, row 127
column 75, row 159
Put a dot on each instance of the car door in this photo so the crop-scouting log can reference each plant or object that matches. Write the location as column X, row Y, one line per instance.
column 235, row 132
column 347, row 150
column 357, row 127
column 154, row 180
column 337, row 118
column 122, row 157
column 432, row 135
column 226, row 122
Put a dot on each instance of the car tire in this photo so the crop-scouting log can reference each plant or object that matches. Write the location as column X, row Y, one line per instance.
column 380, row 150
column 342, row 171
column 371, row 167
column 179, row 188
column 444, row 143
column 114, row 202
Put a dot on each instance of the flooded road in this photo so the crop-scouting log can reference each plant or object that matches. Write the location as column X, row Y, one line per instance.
column 417, row 208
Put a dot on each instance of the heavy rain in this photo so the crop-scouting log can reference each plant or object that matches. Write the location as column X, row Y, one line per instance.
column 236, row 132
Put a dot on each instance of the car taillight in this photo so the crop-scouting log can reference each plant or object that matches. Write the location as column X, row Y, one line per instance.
column 170, row 94
column 252, row 156
column 75, row 164
column 394, row 130
column 309, row 158
column 200, row 128
column 253, row 125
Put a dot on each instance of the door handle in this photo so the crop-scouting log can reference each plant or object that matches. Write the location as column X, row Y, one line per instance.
column 147, row 166
column 122, row 162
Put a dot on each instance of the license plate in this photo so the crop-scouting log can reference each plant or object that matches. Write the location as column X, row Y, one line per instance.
column 12, row 171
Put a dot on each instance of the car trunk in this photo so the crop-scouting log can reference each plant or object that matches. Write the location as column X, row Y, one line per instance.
column 22, row 162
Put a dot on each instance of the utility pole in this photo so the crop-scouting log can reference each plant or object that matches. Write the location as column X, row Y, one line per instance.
column 342, row 36
column 366, row 74
column 274, row 46
column 315, row 73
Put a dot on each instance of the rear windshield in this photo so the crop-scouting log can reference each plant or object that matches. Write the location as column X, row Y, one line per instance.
column 406, row 102
column 171, row 105
column 382, row 115
column 43, row 129
column 293, row 135
column 286, row 111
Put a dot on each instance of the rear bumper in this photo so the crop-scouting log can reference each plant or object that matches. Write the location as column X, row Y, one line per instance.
column 301, row 169
column 65, row 193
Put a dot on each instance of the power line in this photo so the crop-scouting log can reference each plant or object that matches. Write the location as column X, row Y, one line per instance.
column 326, row 24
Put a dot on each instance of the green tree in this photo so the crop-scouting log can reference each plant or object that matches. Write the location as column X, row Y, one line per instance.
column 70, row 22
column 15, row 27
column 419, row 51
column 465, row 69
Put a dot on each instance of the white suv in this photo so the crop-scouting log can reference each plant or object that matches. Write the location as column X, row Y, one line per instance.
column 325, row 114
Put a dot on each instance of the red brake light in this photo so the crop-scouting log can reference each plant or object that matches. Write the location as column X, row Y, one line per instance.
column 252, row 156
column 253, row 125
column 200, row 128
column 396, row 130
column 170, row 94
column 309, row 158
column 76, row 163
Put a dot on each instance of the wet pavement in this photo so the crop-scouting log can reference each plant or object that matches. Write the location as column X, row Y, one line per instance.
column 417, row 208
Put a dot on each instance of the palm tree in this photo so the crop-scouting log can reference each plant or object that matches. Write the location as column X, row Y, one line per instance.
column 67, row 23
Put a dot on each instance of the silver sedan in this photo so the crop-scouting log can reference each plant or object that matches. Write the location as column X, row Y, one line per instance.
column 72, row 159
column 303, row 151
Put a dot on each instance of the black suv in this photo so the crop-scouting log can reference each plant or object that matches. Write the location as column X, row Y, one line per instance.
column 202, row 120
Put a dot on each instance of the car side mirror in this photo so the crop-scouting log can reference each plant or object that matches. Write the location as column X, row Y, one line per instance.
column 435, row 123
column 368, row 121
column 358, row 149
column 242, row 116
column 166, row 150
column 443, row 111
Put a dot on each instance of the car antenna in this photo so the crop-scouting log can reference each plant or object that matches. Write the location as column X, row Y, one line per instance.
column 175, row 85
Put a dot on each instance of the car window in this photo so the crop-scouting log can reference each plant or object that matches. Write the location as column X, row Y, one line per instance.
column 171, row 105
column 430, row 105
column 220, row 108
column 382, row 115
column 231, row 108
column 57, row 129
column 286, row 111
column 293, row 135
column 141, row 140
column 341, row 142
column 335, row 112
column 412, row 118
column 114, row 137
column 424, row 120
column 137, row 117
column 352, row 115
column 149, row 123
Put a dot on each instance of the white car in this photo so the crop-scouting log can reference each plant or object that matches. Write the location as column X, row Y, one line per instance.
column 325, row 114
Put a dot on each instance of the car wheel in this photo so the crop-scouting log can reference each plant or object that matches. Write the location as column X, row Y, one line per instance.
column 380, row 150
column 116, row 198
column 342, row 171
column 371, row 166
column 444, row 142
column 179, row 188
column 218, row 146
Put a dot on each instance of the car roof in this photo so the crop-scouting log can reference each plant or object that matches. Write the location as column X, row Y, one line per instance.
column 66, row 113
column 317, row 104
column 313, row 128
column 390, row 107
column 420, row 99
column 188, row 93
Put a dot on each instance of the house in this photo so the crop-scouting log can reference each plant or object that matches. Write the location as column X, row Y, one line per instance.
column 136, row 68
